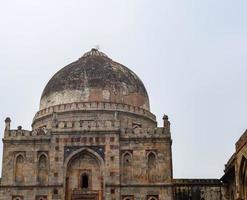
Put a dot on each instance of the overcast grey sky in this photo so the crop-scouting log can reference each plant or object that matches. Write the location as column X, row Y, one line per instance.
column 190, row 54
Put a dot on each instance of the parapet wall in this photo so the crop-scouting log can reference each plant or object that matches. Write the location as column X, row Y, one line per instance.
column 198, row 189
column 90, row 126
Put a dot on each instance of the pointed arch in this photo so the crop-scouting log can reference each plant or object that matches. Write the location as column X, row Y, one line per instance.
column 243, row 177
column 151, row 159
column 41, row 197
column 81, row 167
column 153, row 198
column 19, row 168
column 17, row 197
column 43, row 168
column 43, row 161
column 151, row 165
column 88, row 151
column 127, row 166
column 127, row 158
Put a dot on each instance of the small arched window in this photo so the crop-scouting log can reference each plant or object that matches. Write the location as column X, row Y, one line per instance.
column 55, row 191
column 84, row 181
column 127, row 159
column 42, row 162
column 19, row 160
column 151, row 160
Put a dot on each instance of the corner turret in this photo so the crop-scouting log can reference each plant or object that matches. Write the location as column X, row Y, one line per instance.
column 7, row 126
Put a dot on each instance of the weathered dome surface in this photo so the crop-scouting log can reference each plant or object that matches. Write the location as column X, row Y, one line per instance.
column 95, row 78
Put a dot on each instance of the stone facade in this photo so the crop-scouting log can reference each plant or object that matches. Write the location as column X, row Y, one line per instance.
column 235, row 178
column 94, row 138
column 117, row 160
column 198, row 189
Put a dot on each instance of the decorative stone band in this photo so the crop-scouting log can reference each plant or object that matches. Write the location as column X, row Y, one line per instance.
column 183, row 182
column 24, row 134
column 142, row 133
column 158, row 132
column 84, row 106
column 86, row 125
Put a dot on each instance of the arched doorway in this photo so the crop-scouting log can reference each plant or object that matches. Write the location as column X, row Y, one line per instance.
column 84, row 176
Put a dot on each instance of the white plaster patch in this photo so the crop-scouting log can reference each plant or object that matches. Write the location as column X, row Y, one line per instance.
column 64, row 97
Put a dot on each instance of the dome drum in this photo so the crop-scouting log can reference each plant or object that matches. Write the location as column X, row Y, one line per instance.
column 94, row 84
column 94, row 111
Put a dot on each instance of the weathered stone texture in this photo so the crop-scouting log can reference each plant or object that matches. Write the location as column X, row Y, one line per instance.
column 235, row 178
column 197, row 189
column 95, row 138
column 92, row 78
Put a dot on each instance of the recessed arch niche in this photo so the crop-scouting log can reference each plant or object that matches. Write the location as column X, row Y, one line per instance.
column 84, row 171
column 127, row 166
column 152, row 166
column 19, row 168
column 43, row 167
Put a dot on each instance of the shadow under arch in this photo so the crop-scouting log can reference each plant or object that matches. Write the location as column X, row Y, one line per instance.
column 75, row 155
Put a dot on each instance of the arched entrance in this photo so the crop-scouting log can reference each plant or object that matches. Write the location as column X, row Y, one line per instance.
column 84, row 176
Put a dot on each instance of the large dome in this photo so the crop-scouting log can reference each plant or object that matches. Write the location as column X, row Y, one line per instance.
column 95, row 78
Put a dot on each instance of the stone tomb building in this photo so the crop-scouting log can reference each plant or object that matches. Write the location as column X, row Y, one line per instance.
column 95, row 138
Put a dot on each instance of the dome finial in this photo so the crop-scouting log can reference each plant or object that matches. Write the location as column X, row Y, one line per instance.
column 96, row 47
column 95, row 52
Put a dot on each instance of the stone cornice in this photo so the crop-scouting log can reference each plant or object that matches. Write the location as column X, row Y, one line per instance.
column 157, row 139
column 197, row 182
column 150, row 185
column 77, row 128
column 25, row 187
column 26, row 141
